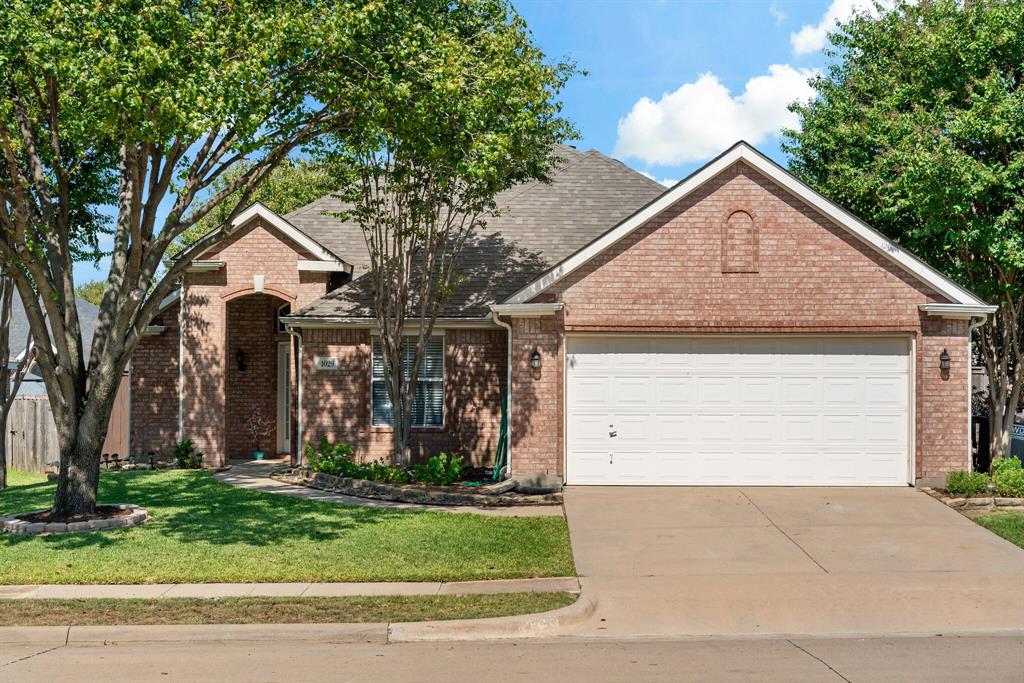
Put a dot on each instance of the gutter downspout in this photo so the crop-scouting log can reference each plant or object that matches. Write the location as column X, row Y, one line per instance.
column 508, row 388
column 181, row 360
column 298, row 399
column 974, row 324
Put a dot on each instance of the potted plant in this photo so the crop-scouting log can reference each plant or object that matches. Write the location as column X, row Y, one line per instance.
column 260, row 428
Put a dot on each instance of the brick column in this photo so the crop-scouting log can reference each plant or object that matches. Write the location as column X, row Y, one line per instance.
column 203, row 355
column 943, row 438
column 537, row 398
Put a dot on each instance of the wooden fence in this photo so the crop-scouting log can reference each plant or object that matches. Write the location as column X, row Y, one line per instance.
column 32, row 435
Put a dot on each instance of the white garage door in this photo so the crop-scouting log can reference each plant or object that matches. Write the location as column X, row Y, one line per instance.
column 729, row 410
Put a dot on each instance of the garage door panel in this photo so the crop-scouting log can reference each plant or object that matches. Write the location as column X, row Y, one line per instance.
column 717, row 410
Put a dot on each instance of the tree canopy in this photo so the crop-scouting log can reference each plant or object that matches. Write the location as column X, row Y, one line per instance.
column 163, row 112
column 918, row 127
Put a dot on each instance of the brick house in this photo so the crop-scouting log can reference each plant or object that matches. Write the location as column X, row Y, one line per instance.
column 737, row 328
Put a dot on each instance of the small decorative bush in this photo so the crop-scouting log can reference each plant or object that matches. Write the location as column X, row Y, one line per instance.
column 187, row 455
column 441, row 469
column 963, row 483
column 328, row 458
column 260, row 427
column 337, row 459
column 1008, row 477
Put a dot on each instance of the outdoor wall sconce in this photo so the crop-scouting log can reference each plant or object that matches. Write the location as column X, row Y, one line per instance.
column 535, row 359
column 240, row 359
column 944, row 360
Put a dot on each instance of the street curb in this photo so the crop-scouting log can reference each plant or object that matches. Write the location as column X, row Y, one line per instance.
column 100, row 635
column 519, row 626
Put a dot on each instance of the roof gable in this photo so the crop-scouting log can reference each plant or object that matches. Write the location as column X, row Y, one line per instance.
column 741, row 151
column 320, row 253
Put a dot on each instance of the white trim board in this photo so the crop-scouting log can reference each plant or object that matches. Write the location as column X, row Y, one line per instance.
column 742, row 151
column 257, row 210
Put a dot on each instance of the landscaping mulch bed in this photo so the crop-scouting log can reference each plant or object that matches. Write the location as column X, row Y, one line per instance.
column 101, row 512
column 985, row 503
column 422, row 494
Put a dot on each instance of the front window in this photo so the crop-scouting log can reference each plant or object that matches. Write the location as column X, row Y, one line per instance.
column 428, row 403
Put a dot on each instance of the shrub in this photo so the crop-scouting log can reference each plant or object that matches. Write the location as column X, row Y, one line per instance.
column 187, row 455
column 1008, row 477
column 441, row 469
column 328, row 458
column 963, row 483
column 337, row 459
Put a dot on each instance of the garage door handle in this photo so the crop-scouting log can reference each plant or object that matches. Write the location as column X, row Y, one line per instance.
column 613, row 433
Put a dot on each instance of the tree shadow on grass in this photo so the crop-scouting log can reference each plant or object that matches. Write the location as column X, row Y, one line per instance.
column 193, row 507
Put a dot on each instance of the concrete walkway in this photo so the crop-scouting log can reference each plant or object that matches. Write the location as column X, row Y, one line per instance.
column 737, row 562
column 255, row 476
column 226, row 590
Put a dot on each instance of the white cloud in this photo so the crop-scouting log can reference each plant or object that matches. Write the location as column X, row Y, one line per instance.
column 813, row 37
column 703, row 118
column 778, row 15
column 667, row 182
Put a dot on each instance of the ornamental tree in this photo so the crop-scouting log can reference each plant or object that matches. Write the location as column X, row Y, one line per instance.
column 475, row 113
column 918, row 126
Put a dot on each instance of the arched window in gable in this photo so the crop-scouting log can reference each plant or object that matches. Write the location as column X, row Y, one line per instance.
column 739, row 242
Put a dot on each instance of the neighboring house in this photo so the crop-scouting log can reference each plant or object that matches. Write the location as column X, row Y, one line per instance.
column 737, row 328
column 31, row 443
column 33, row 385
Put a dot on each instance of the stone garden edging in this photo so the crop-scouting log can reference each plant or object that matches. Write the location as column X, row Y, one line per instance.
column 411, row 493
column 13, row 525
column 973, row 504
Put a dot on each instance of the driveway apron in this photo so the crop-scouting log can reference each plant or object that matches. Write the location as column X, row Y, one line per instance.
column 727, row 561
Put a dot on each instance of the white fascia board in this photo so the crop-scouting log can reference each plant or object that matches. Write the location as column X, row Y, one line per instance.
column 153, row 330
column 527, row 310
column 302, row 239
column 958, row 311
column 204, row 266
column 300, row 322
column 169, row 301
column 741, row 151
column 333, row 266
column 258, row 210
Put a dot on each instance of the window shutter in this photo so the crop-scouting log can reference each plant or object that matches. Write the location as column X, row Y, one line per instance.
column 428, row 402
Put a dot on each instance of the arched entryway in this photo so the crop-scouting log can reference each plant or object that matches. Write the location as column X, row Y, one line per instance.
column 259, row 377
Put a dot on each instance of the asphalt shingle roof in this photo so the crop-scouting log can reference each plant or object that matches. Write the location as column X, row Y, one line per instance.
column 539, row 225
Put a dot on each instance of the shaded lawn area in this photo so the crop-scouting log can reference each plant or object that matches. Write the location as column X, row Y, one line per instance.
column 263, row 610
column 203, row 531
column 1009, row 525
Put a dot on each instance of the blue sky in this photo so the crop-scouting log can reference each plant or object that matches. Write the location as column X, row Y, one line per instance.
column 671, row 83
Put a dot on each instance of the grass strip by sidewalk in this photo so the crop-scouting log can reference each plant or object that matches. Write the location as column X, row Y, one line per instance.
column 205, row 531
column 1009, row 525
column 263, row 610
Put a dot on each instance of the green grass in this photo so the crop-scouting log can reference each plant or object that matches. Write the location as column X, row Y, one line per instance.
column 1009, row 525
column 202, row 531
column 378, row 609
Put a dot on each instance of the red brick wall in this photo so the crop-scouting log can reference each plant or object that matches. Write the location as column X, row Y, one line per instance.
column 537, row 396
column 252, row 329
column 812, row 277
column 253, row 250
column 154, row 395
column 942, row 407
column 336, row 404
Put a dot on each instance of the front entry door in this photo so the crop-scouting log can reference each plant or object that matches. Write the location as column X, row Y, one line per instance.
column 284, row 398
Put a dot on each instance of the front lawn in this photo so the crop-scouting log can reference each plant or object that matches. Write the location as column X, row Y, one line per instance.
column 1009, row 525
column 203, row 531
column 377, row 609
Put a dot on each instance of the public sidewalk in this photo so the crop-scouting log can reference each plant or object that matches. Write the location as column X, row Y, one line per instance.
column 234, row 590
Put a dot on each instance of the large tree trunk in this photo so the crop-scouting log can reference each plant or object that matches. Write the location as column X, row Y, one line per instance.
column 999, row 352
column 79, row 476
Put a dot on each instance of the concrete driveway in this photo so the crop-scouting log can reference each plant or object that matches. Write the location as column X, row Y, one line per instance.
column 689, row 561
